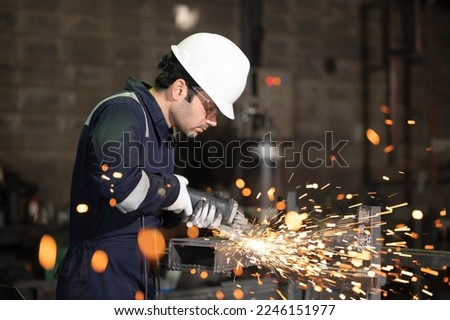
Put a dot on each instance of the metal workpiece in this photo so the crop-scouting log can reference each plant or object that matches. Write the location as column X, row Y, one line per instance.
column 211, row 254
column 410, row 257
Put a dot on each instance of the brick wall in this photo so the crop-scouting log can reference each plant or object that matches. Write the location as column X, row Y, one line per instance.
column 305, row 36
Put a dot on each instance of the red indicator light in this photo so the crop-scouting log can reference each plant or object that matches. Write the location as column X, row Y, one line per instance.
column 273, row 81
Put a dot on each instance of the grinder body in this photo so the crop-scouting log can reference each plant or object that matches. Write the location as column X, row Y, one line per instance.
column 228, row 207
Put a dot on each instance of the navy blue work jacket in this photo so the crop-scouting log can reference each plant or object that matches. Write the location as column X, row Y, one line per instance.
column 122, row 178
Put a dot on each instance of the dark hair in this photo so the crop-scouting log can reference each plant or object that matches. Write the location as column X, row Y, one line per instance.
column 171, row 70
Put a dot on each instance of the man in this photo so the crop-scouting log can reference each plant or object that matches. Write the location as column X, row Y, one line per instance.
column 123, row 177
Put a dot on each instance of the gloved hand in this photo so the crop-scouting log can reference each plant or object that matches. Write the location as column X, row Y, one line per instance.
column 206, row 215
column 183, row 202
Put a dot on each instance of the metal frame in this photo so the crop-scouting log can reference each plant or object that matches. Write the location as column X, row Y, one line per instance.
column 211, row 254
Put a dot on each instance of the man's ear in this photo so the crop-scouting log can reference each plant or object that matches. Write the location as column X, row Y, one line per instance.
column 179, row 89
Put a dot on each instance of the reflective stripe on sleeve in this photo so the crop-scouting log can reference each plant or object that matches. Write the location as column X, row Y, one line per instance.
column 137, row 196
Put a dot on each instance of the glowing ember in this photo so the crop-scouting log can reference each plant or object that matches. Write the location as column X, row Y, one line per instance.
column 139, row 295
column 429, row 271
column 220, row 295
column 112, row 202
column 238, row 271
column 238, row 294
column 193, row 232
column 385, row 109
column 117, row 175
column 99, row 261
column 47, row 252
column 82, row 208
column 240, row 183
column 417, row 214
column 246, row 192
column 389, row 148
column 281, row 295
column 427, row 292
column 151, row 243
column 373, row 137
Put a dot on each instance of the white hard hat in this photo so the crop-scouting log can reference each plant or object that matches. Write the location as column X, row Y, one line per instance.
column 217, row 65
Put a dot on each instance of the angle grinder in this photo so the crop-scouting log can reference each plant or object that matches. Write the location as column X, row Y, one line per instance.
column 232, row 215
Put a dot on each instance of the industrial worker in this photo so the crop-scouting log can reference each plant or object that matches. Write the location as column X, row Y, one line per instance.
column 123, row 177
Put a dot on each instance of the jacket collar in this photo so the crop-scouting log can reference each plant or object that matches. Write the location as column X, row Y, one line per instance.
column 148, row 101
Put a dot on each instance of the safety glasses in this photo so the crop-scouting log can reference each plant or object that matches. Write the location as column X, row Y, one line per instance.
column 207, row 103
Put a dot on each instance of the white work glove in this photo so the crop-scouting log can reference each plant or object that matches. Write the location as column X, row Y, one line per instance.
column 206, row 215
column 183, row 202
